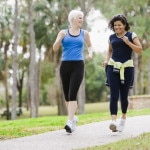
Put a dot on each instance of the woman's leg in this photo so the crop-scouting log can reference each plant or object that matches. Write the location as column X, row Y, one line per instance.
column 114, row 83
column 124, row 91
column 72, row 106
column 65, row 72
column 70, row 91
column 75, row 82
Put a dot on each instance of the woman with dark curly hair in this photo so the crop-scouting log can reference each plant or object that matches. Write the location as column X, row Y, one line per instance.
column 119, row 67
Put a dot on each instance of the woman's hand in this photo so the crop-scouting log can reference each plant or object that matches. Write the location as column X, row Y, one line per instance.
column 104, row 64
column 58, row 40
column 61, row 34
column 88, row 57
column 125, row 39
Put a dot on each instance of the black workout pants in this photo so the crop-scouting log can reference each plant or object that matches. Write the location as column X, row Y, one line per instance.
column 71, row 73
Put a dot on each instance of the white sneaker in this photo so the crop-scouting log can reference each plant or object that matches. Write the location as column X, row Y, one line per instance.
column 121, row 125
column 113, row 126
column 74, row 122
column 68, row 126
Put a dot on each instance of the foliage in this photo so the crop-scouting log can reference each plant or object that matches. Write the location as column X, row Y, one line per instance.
column 95, row 79
column 1, row 103
column 137, row 13
column 146, row 53
column 47, row 76
column 5, row 31
column 47, row 79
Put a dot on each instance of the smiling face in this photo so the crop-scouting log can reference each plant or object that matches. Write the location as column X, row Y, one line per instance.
column 78, row 21
column 119, row 27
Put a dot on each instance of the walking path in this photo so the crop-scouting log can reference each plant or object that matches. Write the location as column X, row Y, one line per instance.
column 88, row 135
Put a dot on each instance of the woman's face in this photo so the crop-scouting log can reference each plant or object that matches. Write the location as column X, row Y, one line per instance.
column 78, row 21
column 119, row 27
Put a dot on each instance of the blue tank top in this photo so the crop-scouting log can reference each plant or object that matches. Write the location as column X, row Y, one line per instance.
column 121, row 52
column 72, row 47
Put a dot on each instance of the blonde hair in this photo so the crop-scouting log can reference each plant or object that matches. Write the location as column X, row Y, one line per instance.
column 74, row 14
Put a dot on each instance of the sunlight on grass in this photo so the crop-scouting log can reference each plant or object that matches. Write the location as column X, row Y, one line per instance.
column 96, row 107
column 52, row 110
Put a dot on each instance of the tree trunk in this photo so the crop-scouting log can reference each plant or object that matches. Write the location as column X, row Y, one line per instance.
column 140, row 75
column 38, row 81
column 5, row 75
column 135, row 87
column 149, row 77
column 15, row 64
column 28, row 103
column 32, row 69
column 20, row 87
column 36, row 92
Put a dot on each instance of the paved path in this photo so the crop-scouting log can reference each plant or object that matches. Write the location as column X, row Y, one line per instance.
column 85, row 136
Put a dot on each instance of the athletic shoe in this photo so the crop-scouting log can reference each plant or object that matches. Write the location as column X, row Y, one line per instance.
column 74, row 122
column 113, row 126
column 121, row 125
column 68, row 126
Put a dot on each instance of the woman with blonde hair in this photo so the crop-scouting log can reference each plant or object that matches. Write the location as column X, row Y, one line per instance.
column 72, row 62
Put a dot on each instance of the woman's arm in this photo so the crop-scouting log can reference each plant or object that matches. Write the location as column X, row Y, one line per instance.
column 135, row 46
column 108, row 55
column 58, row 40
column 87, row 39
column 89, row 45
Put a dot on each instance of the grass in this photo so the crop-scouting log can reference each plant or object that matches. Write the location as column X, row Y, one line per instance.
column 30, row 126
column 52, row 110
column 49, row 121
column 139, row 143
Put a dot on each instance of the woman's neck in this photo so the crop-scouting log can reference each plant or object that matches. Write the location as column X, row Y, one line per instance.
column 74, row 31
column 121, row 35
column 74, row 28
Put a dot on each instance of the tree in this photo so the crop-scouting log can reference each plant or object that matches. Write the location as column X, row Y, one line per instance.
column 5, row 37
column 23, row 62
column 15, row 64
column 32, row 71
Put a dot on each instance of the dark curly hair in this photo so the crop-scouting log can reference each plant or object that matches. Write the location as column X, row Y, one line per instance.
column 121, row 18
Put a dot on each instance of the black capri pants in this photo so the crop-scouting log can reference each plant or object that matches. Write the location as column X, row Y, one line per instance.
column 71, row 73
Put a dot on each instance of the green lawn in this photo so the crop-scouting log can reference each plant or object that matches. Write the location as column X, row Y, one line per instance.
column 141, row 142
column 52, row 110
column 49, row 121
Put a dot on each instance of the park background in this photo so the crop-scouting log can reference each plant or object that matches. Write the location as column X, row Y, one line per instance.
column 29, row 69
